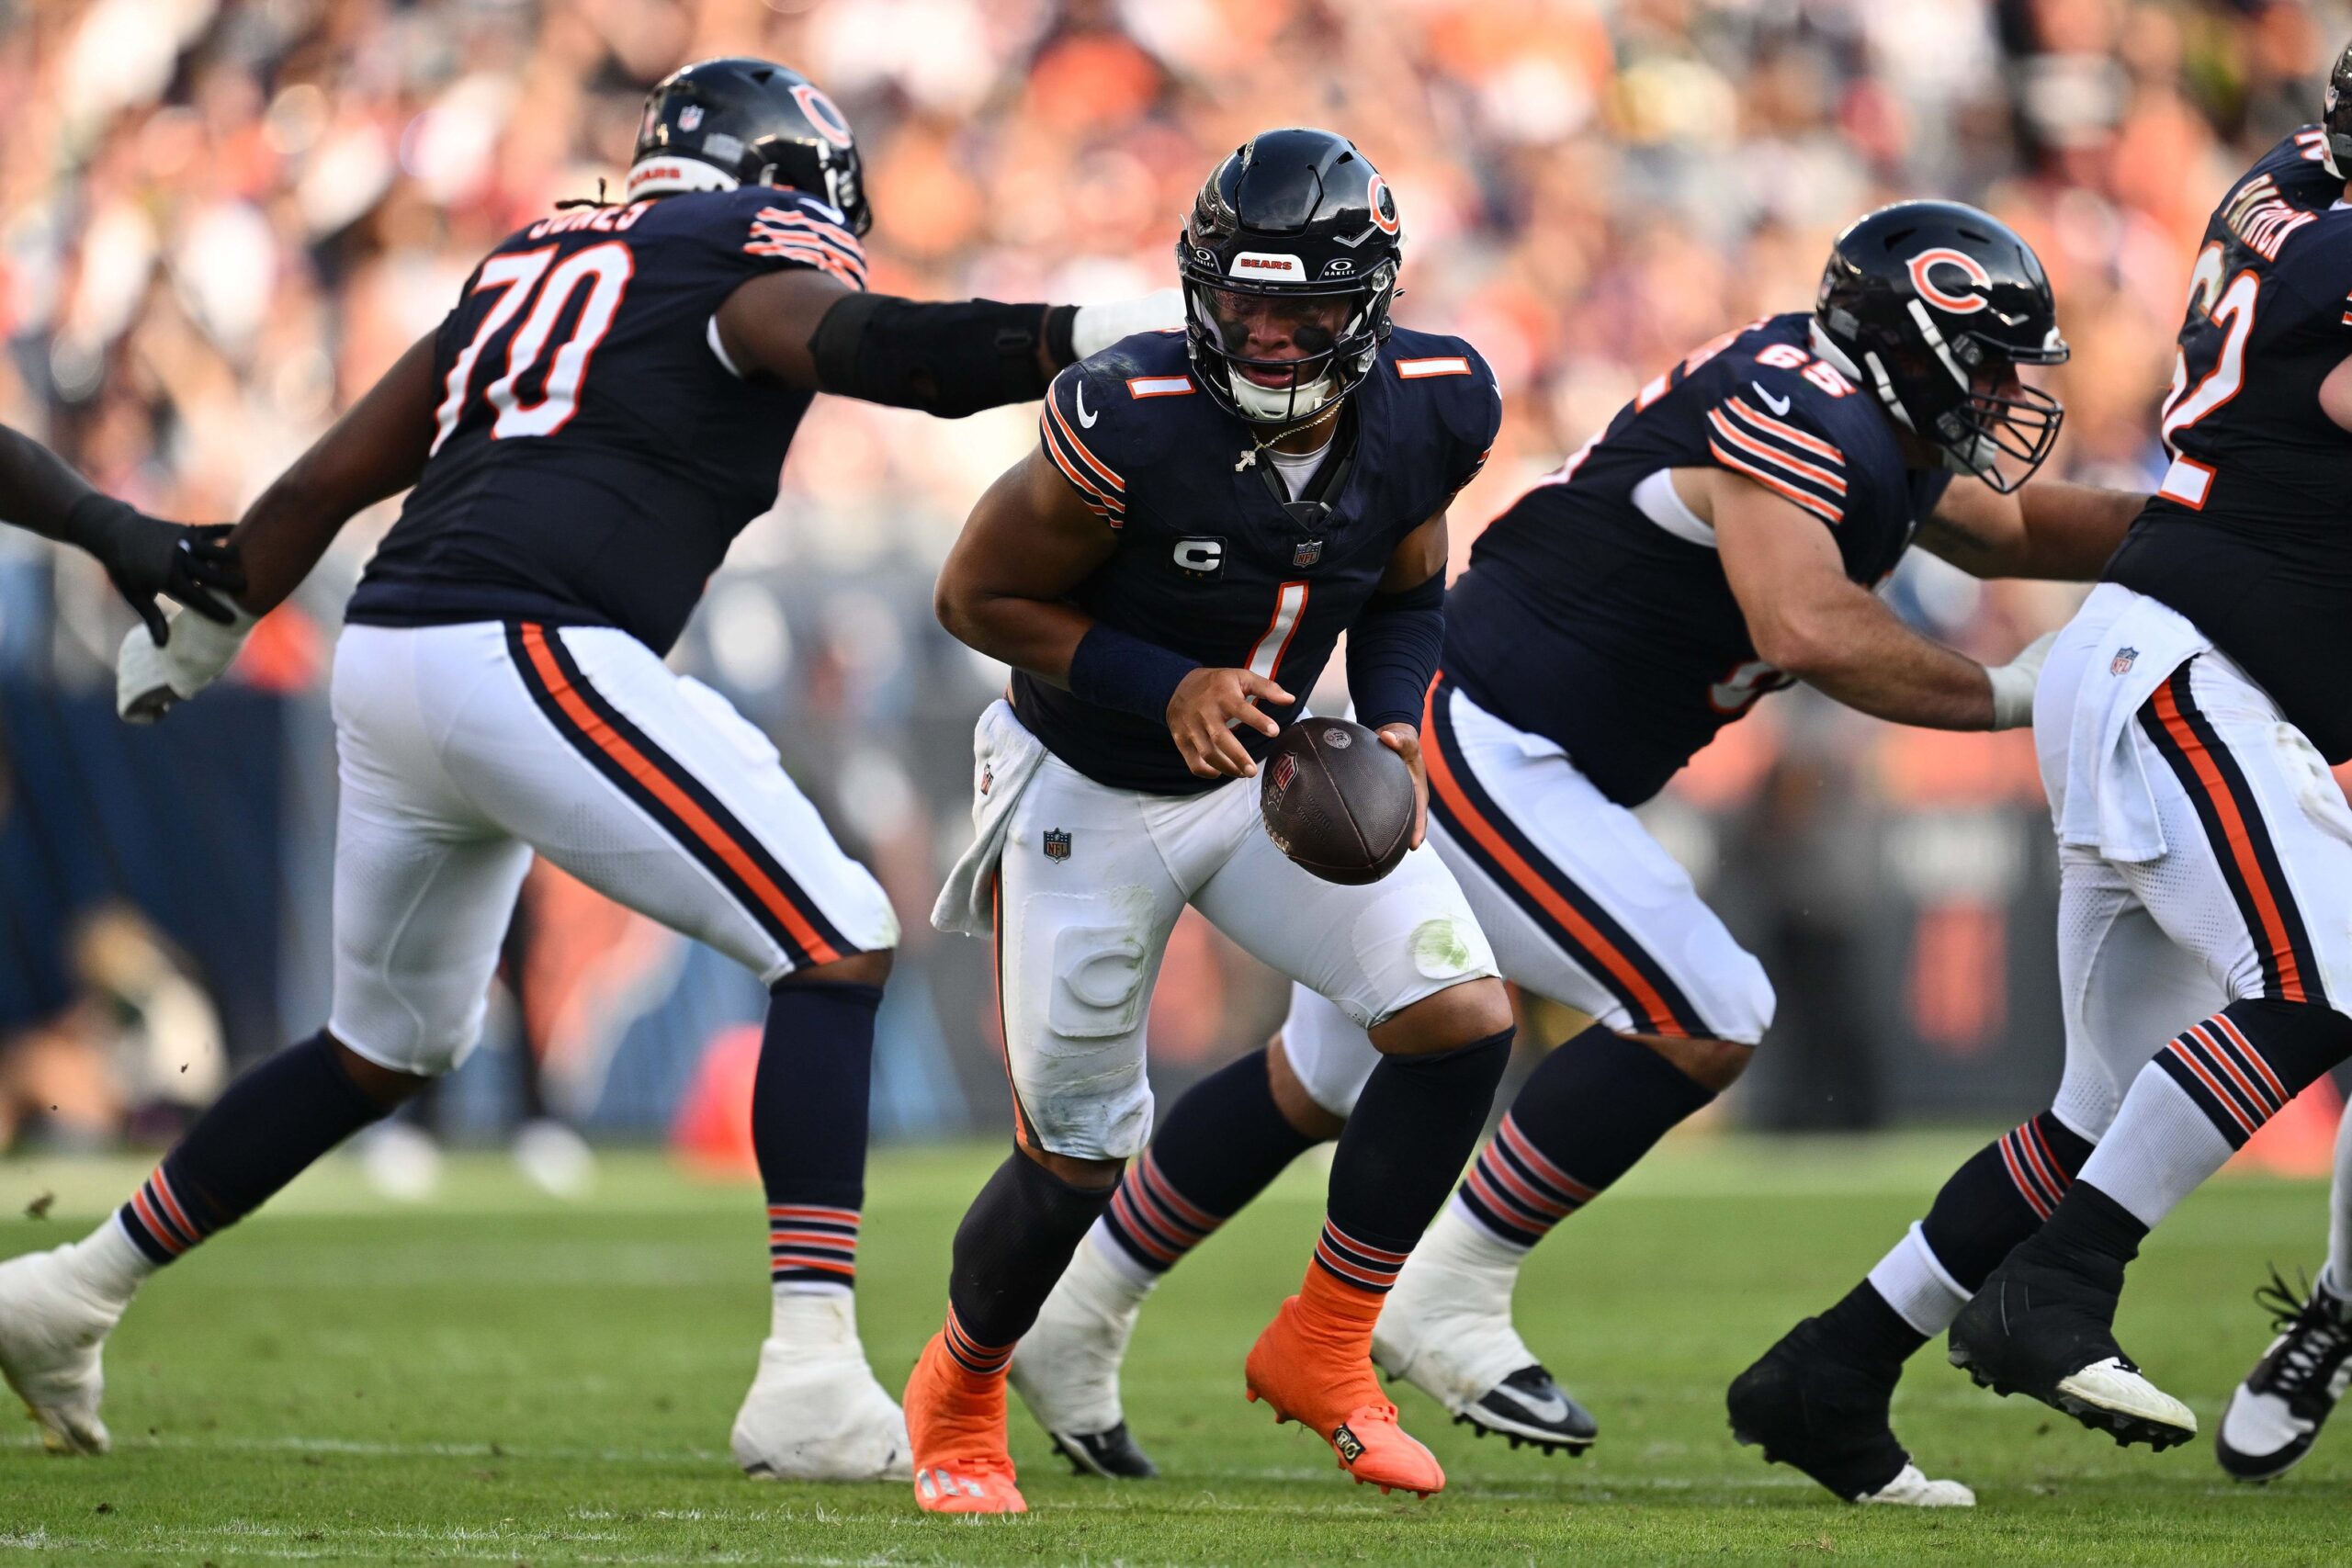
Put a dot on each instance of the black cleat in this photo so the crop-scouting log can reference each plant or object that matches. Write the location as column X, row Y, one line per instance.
column 1825, row 1413
column 1112, row 1455
column 2275, row 1413
column 2043, row 1325
column 1529, row 1407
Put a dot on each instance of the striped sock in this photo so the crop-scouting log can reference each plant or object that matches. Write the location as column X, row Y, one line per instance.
column 2221, row 1071
column 1152, row 1222
column 812, row 1249
column 158, row 1224
column 1357, row 1263
column 1586, row 1114
column 981, row 1360
column 1515, row 1194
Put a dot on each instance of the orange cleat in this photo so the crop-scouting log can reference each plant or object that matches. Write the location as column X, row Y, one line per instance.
column 955, row 1423
column 1313, row 1365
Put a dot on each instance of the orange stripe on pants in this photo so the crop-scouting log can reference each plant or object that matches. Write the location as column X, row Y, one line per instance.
column 658, row 784
column 2225, row 805
column 1449, row 789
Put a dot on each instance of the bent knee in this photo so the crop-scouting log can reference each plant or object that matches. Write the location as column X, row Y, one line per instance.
column 1713, row 1064
column 1090, row 1175
column 1307, row 1116
column 387, row 1087
column 1445, row 1020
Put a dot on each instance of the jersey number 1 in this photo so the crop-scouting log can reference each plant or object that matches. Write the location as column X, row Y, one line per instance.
column 535, row 278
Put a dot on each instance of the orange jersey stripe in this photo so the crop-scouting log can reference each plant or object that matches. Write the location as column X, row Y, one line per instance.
column 1788, row 432
column 2241, row 843
column 1449, row 789
column 656, row 783
column 1092, row 461
column 1812, row 503
column 1835, row 483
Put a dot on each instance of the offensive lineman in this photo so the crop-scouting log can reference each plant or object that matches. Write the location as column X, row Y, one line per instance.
column 608, row 404
column 1718, row 541
column 2186, row 724
column 1206, row 514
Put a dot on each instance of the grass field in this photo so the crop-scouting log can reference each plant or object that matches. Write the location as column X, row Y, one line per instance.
column 500, row 1377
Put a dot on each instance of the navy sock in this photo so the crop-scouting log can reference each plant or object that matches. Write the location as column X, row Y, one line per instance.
column 2090, row 1222
column 1015, row 1240
column 1863, row 1327
column 1222, row 1143
column 2002, row 1196
column 266, row 1128
column 1590, row 1110
column 1416, row 1122
column 808, row 1119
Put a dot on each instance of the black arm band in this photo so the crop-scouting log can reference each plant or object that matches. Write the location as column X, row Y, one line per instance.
column 1119, row 670
column 1393, row 651
column 949, row 360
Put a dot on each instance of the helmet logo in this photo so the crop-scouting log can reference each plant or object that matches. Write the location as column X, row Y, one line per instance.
column 1382, row 205
column 830, row 123
column 1337, row 266
column 690, row 117
column 1262, row 263
column 1941, row 299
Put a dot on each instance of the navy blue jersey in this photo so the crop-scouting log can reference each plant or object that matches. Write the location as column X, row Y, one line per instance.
column 2247, row 536
column 1594, row 611
column 594, row 455
column 1208, row 562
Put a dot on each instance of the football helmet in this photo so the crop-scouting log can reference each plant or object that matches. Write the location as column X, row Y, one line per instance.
column 719, row 124
column 1294, row 240
column 2335, row 117
column 1930, row 304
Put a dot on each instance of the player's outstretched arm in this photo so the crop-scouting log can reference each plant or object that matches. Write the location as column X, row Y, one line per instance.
column 1394, row 647
column 2049, row 529
column 375, row 451
column 144, row 556
column 1806, row 617
column 1026, row 548
column 808, row 330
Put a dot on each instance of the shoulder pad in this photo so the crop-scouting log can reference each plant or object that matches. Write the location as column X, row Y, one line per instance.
column 1766, row 422
column 1100, row 424
column 783, row 228
column 1459, row 385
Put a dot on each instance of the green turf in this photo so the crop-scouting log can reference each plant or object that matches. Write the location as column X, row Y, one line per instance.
column 503, row 1377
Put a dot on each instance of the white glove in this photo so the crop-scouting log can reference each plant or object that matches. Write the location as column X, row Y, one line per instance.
column 149, row 679
column 2013, row 683
column 1097, row 327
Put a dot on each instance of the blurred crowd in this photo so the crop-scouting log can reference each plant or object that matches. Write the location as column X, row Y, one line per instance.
column 219, row 220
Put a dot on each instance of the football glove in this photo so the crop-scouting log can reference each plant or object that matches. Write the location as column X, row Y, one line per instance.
column 145, row 556
column 152, row 675
column 2013, row 683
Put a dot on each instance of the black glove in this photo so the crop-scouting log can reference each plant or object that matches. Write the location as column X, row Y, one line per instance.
column 145, row 556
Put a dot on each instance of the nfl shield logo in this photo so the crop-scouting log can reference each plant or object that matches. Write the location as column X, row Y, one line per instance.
column 1308, row 554
column 2122, row 661
column 1057, row 844
column 690, row 117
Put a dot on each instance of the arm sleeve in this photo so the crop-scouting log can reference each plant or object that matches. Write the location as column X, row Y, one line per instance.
column 1393, row 651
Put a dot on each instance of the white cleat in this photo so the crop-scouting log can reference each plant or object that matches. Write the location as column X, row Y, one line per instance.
column 2115, row 1387
column 1912, row 1489
column 53, row 1324
column 1446, row 1329
column 815, row 1412
column 1065, row 1368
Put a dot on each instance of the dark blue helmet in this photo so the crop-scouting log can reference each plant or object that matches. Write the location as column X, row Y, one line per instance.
column 719, row 124
column 1300, row 221
column 1929, row 304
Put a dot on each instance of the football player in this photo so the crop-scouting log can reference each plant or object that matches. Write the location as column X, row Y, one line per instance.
column 1718, row 541
column 2186, row 721
column 143, row 555
column 1206, row 514
column 607, row 405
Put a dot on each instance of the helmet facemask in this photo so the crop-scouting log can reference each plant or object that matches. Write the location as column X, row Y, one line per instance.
column 1284, row 355
column 1962, row 397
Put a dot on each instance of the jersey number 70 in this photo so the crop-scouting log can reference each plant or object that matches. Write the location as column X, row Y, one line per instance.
column 535, row 278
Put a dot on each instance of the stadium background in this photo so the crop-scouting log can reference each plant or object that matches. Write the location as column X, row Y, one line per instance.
column 220, row 220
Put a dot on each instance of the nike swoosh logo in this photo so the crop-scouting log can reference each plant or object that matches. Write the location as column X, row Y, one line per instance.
column 1079, row 397
column 1777, row 405
column 1551, row 1407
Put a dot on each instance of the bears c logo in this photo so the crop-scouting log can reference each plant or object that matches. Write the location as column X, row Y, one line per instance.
column 830, row 123
column 1942, row 298
column 1383, row 205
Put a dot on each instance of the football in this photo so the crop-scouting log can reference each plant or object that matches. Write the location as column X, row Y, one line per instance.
column 1336, row 801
